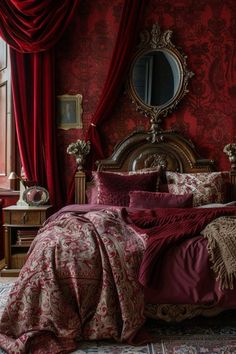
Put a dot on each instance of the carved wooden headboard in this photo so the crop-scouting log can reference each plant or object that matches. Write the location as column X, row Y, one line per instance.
column 170, row 150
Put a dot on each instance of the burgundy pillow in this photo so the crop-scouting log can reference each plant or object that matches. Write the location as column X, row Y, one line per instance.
column 151, row 200
column 91, row 192
column 113, row 189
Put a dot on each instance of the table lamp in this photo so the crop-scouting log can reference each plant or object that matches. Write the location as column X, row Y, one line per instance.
column 14, row 176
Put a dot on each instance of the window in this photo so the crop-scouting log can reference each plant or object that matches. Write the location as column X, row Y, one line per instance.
column 7, row 129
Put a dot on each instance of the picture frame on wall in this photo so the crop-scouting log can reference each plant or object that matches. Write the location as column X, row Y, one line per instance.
column 69, row 111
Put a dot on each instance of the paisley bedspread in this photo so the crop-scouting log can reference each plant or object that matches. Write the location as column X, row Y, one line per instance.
column 79, row 282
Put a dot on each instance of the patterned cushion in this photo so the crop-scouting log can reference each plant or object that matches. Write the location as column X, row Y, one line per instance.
column 151, row 200
column 92, row 188
column 207, row 187
column 114, row 188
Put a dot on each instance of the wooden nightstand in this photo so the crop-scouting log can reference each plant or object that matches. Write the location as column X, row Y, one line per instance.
column 21, row 224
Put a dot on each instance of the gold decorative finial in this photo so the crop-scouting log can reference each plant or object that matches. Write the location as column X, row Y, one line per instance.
column 230, row 151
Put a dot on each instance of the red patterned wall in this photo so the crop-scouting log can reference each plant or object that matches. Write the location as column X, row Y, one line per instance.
column 206, row 32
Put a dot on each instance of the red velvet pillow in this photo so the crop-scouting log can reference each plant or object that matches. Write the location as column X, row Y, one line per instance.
column 92, row 187
column 91, row 192
column 151, row 200
column 113, row 189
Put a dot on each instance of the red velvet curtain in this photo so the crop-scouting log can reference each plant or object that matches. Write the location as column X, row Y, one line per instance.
column 31, row 28
column 129, row 28
column 126, row 40
column 33, row 77
column 34, row 25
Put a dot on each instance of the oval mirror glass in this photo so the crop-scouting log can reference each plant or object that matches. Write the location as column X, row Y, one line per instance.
column 156, row 77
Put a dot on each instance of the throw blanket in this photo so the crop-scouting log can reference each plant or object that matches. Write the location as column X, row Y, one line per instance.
column 80, row 281
column 221, row 237
column 167, row 228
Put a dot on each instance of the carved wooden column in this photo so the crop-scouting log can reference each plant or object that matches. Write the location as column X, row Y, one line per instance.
column 80, row 187
column 80, row 149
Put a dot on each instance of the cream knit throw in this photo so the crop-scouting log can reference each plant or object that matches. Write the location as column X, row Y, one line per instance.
column 221, row 237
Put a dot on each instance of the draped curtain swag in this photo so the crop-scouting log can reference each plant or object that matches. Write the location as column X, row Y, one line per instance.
column 124, row 48
column 32, row 28
column 129, row 27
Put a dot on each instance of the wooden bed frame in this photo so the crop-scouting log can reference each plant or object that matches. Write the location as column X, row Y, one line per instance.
column 170, row 150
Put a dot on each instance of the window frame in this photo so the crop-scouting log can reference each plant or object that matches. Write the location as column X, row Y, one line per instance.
column 9, row 156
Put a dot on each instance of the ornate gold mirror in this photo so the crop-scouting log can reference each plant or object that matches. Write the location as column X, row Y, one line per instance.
column 158, row 76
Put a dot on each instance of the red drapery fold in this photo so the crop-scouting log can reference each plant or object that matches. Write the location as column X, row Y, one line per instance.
column 34, row 25
column 32, row 76
column 126, row 40
column 32, row 28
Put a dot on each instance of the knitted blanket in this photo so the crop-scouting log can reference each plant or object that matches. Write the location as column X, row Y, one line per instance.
column 221, row 237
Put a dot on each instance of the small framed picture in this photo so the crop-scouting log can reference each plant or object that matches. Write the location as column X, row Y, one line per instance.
column 69, row 111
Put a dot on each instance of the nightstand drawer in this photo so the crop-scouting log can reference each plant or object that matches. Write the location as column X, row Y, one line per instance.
column 26, row 218
column 21, row 224
column 23, row 217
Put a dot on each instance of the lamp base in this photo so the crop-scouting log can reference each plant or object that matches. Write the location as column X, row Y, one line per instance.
column 20, row 201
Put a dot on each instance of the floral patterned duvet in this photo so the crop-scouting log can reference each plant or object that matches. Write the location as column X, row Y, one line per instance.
column 79, row 282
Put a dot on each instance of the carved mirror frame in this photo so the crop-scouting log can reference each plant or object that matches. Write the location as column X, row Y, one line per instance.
column 152, row 41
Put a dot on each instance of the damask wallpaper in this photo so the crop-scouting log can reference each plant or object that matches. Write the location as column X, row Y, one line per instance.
column 206, row 32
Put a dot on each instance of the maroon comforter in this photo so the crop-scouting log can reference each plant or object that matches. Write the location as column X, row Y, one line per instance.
column 167, row 228
column 175, row 268
column 80, row 280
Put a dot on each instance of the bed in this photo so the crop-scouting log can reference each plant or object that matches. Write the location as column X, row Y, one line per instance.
column 182, row 171
column 131, row 247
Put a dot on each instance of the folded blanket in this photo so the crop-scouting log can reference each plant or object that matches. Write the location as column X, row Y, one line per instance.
column 221, row 237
